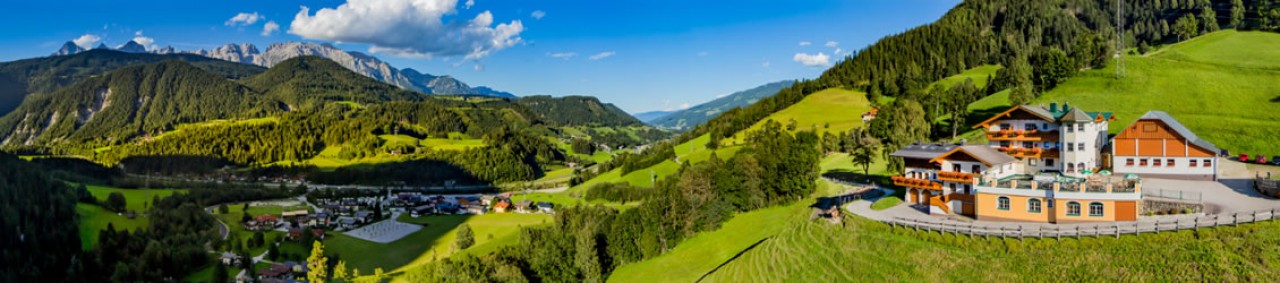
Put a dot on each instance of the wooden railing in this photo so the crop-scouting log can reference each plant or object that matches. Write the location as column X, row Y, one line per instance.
column 957, row 177
column 1082, row 230
column 1022, row 135
column 916, row 183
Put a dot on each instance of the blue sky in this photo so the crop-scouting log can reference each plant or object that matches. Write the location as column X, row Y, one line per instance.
column 640, row 55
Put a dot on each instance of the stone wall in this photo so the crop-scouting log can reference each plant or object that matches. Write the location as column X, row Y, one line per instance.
column 1158, row 207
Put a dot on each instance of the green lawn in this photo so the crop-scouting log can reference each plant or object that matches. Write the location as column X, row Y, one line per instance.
column 885, row 203
column 135, row 199
column 434, row 241
column 95, row 218
column 703, row 252
column 1222, row 86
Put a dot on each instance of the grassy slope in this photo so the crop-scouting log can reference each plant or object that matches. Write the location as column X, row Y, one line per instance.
column 840, row 108
column 865, row 250
column 434, row 241
column 704, row 252
column 1222, row 86
column 94, row 218
column 234, row 214
column 980, row 75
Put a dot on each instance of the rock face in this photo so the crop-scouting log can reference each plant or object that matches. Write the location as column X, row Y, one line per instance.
column 68, row 48
column 361, row 63
column 132, row 47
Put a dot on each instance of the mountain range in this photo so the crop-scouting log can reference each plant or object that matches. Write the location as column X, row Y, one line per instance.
column 693, row 116
column 360, row 63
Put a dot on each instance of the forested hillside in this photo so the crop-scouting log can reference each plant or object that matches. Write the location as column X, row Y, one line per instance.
column 131, row 102
column 46, row 74
column 38, row 233
column 577, row 111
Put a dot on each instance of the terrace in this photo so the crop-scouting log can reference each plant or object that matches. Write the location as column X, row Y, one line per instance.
column 916, row 183
column 1025, row 152
column 1060, row 183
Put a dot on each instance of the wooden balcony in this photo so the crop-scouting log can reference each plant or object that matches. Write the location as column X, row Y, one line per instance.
column 1022, row 152
column 1022, row 135
column 956, row 177
column 916, row 183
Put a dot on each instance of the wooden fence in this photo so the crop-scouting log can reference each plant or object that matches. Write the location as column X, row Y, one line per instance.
column 1115, row 229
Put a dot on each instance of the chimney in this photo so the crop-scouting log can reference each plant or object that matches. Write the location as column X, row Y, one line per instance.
column 1066, row 107
column 1053, row 107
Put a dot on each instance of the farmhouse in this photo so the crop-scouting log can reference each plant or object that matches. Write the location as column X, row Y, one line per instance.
column 1039, row 166
column 1158, row 146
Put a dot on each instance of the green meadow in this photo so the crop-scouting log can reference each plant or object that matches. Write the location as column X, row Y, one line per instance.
column 138, row 200
column 830, row 110
column 434, row 241
column 1223, row 86
column 94, row 218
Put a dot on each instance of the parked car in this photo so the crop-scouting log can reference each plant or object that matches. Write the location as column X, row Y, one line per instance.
column 1225, row 153
column 1262, row 159
column 1275, row 160
column 1244, row 157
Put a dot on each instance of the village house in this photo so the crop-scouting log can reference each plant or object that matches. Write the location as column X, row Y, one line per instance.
column 546, row 207
column 265, row 222
column 502, row 206
column 230, row 259
column 525, row 206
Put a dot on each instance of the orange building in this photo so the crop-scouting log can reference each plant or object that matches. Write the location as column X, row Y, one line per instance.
column 1158, row 146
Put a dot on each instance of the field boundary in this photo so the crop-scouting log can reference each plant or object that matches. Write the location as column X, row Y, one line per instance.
column 1116, row 229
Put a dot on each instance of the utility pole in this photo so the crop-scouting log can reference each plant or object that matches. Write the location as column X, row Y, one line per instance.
column 1119, row 39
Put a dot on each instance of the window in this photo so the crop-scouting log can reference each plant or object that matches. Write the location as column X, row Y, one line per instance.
column 1033, row 162
column 1044, row 126
column 1005, row 126
column 1156, row 162
column 1169, row 162
column 1073, row 209
column 1028, row 145
column 1033, row 206
column 1082, row 167
column 1002, row 203
column 1192, row 163
column 1095, row 209
column 1128, row 161
column 1208, row 162
column 1080, row 127
column 976, row 169
column 1070, row 129
column 1004, row 143
column 1071, row 147
column 1048, row 162
column 1051, row 203
column 1080, row 146
column 1029, row 126
column 1142, row 162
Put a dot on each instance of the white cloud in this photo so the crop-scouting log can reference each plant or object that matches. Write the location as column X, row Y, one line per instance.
column 812, row 60
column 87, row 41
column 765, row 64
column 805, row 43
column 269, row 28
column 143, row 40
column 602, row 55
column 409, row 28
column 832, row 44
column 703, row 54
column 470, row 3
column 538, row 14
column 244, row 19
column 562, row 55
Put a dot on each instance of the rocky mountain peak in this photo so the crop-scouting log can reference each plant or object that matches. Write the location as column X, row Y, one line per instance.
column 68, row 49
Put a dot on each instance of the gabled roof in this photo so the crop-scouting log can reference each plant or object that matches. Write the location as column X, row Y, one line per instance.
column 923, row 150
column 1075, row 115
column 1179, row 128
column 1034, row 110
column 985, row 154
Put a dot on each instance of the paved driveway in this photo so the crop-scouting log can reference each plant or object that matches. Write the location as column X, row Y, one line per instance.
column 1223, row 196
